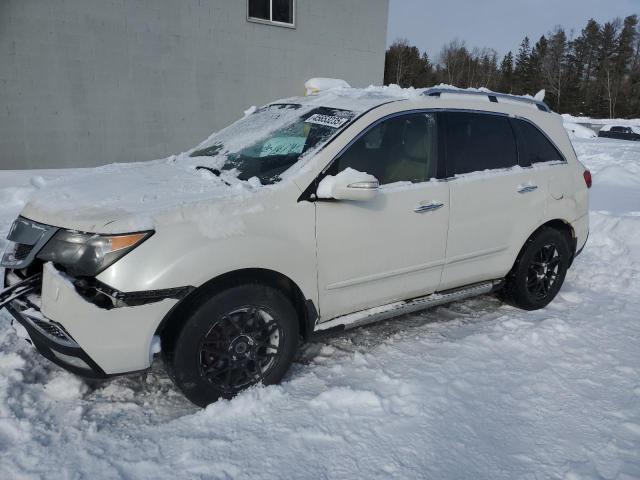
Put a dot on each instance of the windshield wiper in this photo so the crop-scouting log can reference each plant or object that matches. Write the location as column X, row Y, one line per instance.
column 215, row 171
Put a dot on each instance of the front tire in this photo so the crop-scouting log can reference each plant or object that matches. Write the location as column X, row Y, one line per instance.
column 237, row 338
column 540, row 270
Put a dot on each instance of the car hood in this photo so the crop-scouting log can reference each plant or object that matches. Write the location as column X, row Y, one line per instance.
column 121, row 198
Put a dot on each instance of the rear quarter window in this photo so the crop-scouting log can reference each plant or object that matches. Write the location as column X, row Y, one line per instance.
column 533, row 145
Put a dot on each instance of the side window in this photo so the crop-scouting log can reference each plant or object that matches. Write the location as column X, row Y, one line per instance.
column 401, row 149
column 477, row 141
column 533, row 145
column 272, row 11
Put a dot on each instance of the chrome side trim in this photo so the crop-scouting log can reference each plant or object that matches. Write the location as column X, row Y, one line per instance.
column 365, row 185
column 395, row 309
column 428, row 208
column 527, row 188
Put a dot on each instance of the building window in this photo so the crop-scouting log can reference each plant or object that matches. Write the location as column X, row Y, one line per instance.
column 276, row 12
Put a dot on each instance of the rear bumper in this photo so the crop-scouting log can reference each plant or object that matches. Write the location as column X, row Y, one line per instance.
column 581, row 232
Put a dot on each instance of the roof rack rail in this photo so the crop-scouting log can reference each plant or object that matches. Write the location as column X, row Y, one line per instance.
column 493, row 96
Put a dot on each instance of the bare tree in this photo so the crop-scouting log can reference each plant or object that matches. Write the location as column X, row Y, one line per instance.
column 453, row 58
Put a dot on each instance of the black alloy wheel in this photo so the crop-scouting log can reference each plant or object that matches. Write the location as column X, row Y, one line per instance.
column 239, row 349
column 233, row 339
column 543, row 271
column 539, row 271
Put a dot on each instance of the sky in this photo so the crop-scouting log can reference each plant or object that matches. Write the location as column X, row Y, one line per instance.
column 498, row 24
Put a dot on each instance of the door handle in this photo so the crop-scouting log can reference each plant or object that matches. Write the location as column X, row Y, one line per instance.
column 527, row 188
column 428, row 208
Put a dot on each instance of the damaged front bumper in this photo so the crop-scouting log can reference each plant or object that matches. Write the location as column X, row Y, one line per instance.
column 22, row 300
column 89, row 331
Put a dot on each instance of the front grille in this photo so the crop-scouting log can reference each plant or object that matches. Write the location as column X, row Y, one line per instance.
column 50, row 328
column 22, row 250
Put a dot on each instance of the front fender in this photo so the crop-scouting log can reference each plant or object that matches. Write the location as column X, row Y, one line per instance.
column 186, row 253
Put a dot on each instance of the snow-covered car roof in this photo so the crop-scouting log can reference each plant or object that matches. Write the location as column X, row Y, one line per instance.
column 354, row 99
column 363, row 99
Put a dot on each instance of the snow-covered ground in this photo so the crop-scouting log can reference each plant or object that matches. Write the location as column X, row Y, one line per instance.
column 632, row 122
column 473, row 390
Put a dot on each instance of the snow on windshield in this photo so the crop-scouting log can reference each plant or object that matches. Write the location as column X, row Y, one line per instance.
column 265, row 144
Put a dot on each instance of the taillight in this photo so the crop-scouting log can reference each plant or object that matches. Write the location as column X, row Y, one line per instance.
column 587, row 178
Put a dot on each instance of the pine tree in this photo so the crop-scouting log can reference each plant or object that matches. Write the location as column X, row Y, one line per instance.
column 522, row 70
column 623, row 57
column 606, row 69
column 584, row 53
column 535, row 79
column 506, row 74
column 425, row 76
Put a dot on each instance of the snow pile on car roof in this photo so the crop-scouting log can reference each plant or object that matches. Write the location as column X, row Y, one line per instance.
column 336, row 94
column 317, row 85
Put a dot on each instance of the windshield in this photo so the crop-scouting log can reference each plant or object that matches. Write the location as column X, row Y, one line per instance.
column 268, row 142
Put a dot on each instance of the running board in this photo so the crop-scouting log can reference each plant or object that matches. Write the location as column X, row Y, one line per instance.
column 384, row 312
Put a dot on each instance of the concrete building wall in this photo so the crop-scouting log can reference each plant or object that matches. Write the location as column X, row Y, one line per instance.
column 89, row 82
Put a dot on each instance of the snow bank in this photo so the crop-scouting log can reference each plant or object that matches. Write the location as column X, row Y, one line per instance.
column 579, row 131
column 602, row 121
column 616, row 175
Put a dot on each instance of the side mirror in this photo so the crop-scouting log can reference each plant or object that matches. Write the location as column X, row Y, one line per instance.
column 349, row 184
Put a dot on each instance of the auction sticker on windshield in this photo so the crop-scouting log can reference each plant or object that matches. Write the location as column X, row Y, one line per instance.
column 327, row 120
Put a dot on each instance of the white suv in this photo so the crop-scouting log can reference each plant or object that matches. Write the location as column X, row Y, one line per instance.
column 308, row 216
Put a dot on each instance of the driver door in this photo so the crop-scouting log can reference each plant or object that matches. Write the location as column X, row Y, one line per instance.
column 392, row 247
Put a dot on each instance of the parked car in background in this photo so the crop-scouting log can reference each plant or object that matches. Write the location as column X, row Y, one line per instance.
column 308, row 216
column 620, row 132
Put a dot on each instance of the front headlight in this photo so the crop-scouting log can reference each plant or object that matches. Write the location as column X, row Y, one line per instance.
column 88, row 254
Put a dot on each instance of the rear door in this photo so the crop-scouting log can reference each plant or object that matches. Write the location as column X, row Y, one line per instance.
column 494, row 203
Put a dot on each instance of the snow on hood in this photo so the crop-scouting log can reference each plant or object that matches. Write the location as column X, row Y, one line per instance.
column 120, row 198
column 129, row 197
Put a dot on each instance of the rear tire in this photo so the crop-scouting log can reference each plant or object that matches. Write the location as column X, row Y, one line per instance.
column 539, row 271
column 237, row 338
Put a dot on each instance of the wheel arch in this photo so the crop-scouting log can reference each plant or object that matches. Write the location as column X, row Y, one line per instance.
column 558, row 224
column 174, row 319
column 567, row 230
